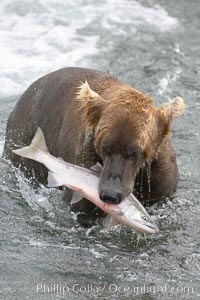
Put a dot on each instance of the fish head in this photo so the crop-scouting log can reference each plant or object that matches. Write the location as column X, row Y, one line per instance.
column 130, row 212
column 139, row 220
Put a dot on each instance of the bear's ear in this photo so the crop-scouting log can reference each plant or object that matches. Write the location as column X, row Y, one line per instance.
column 91, row 104
column 172, row 109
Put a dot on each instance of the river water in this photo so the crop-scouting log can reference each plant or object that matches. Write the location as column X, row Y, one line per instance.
column 44, row 253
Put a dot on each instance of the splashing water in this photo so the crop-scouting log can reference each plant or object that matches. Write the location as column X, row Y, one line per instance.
column 148, row 168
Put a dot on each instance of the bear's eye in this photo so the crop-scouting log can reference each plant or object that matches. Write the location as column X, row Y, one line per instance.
column 133, row 155
column 136, row 154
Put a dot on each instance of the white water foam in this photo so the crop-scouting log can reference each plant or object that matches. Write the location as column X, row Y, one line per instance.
column 134, row 13
column 1, row 147
column 169, row 78
column 40, row 39
column 41, row 36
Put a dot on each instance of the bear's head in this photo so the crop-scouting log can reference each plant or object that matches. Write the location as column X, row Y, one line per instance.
column 128, row 130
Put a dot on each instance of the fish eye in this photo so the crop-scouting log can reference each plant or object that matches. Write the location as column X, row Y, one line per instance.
column 144, row 218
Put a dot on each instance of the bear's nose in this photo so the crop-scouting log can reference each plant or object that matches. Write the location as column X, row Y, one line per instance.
column 113, row 198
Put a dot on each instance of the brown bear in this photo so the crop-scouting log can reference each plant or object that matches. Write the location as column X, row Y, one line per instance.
column 89, row 116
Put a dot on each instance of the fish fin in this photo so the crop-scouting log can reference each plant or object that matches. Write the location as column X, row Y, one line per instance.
column 38, row 143
column 75, row 189
column 77, row 196
column 54, row 180
column 96, row 167
column 110, row 221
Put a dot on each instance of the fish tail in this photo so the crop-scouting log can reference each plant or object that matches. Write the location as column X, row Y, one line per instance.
column 38, row 143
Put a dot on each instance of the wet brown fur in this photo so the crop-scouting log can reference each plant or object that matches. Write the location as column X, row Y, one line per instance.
column 129, row 104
